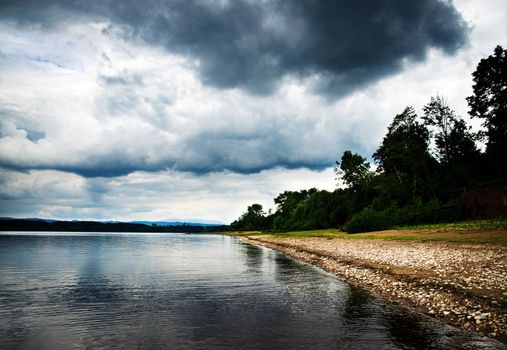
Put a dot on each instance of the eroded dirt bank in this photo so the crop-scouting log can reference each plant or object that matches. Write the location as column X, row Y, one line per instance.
column 462, row 284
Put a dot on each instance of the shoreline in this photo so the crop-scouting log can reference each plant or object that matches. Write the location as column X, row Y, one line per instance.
column 464, row 285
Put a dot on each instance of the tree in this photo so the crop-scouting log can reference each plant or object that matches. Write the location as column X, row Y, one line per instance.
column 287, row 202
column 439, row 115
column 404, row 155
column 313, row 212
column 455, row 145
column 253, row 219
column 489, row 102
column 453, row 138
column 354, row 170
column 255, row 210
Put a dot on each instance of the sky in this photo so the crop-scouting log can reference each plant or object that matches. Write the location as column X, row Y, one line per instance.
column 194, row 109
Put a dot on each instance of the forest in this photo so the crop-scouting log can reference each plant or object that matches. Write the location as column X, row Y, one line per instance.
column 11, row 224
column 423, row 166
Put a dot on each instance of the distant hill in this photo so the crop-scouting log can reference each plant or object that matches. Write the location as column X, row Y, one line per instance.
column 29, row 219
column 175, row 223
column 149, row 223
column 36, row 224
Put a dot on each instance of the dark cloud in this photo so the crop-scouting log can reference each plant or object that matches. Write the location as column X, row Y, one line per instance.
column 138, row 120
column 208, row 157
column 103, row 168
column 252, row 45
column 245, row 154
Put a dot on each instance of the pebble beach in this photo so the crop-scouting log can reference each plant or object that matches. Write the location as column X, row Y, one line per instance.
column 464, row 285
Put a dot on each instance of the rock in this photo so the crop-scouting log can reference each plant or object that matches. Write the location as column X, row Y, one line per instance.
column 439, row 290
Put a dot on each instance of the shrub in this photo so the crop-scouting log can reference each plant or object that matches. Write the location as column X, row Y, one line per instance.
column 415, row 212
column 370, row 219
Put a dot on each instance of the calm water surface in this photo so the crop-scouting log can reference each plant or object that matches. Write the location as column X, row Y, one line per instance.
column 155, row 291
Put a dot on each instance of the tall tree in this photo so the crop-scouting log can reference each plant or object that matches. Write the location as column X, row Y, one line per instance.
column 404, row 155
column 439, row 115
column 287, row 203
column 253, row 219
column 489, row 102
column 355, row 172
column 453, row 138
column 353, row 169
column 455, row 145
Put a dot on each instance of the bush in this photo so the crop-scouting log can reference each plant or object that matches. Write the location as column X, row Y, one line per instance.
column 370, row 219
column 431, row 212
column 415, row 212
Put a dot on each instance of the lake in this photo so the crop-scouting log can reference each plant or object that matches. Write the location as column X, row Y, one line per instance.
column 179, row 291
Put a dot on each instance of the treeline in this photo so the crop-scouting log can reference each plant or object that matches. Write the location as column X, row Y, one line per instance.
column 97, row 226
column 423, row 165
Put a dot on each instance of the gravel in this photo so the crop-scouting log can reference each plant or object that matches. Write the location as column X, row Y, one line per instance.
column 462, row 284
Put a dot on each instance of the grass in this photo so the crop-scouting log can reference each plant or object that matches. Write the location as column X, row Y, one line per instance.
column 479, row 231
column 491, row 224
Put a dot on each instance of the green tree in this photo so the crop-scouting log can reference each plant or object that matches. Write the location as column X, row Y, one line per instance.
column 404, row 156
column 253, row 219
column 255, row 210
column 439, row 115
column 287, row 202
column 489, row 102
column 355, row 172
column 455, row 145
column 353, row 169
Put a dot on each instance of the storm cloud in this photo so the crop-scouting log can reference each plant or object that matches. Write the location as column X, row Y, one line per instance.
column 198, row 86
column 134, row 110
column 251, row 45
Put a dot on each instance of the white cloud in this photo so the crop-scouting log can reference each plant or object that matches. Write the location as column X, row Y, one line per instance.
column 140, row 108
column 149, row 196
column 78, row 100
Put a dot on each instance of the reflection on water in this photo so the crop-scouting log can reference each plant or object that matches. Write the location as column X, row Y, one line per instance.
column 74, row 291
column 254, row 257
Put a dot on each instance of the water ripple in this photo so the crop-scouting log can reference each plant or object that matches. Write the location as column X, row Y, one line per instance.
column 181, row 291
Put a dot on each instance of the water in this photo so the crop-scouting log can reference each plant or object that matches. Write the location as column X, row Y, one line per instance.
column 177, row 291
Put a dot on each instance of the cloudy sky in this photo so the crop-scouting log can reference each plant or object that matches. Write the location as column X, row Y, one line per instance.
column 194, row 109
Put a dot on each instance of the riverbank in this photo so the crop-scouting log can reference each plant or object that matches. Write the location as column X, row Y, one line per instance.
column 464, row 284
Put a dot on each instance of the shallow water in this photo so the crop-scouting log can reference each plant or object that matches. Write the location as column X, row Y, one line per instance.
column 153, row 291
